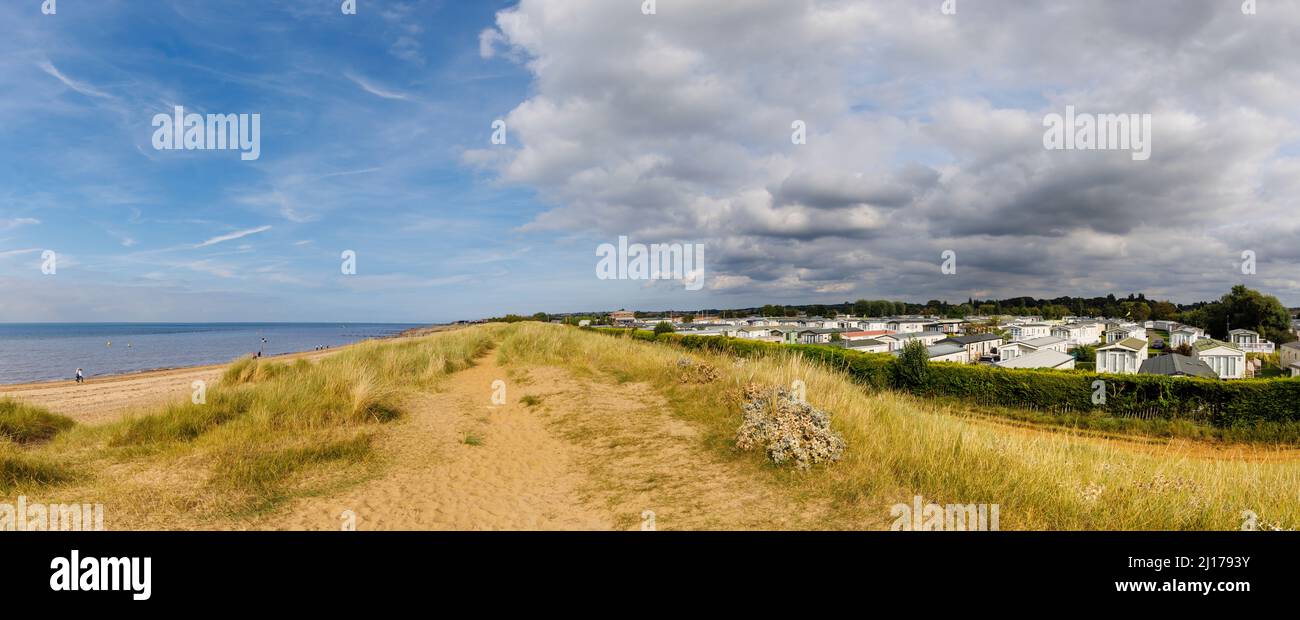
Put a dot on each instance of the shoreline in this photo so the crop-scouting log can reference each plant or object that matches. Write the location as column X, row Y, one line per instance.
column 137, row 374
column 108, row 398
column 292, row 355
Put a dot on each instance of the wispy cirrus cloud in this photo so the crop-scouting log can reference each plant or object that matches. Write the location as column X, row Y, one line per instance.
column 239, row 234
column 8, row 253
column 81, row 87
column 376, row 90
column 13, row 223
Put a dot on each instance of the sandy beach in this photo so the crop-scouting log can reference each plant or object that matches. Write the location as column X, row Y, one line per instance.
column 104, row 399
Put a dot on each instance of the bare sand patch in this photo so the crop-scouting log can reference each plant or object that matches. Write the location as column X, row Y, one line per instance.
column 518, row 476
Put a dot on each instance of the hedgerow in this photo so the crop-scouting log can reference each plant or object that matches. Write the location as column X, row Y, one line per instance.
column 1242, row 402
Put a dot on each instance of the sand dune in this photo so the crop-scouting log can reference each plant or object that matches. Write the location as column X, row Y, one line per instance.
column 105, row 399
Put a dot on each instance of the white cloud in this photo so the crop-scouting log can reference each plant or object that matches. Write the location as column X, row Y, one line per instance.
column 377, row 91
column 80, row 87
column 232, row 236
column 924, row 134
column 13, row 223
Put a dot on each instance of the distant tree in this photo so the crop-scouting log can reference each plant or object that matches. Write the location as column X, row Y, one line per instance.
column 1054, row 312
column 1183, row 349
column 541, row 316
column 1085, row 353
column 664, row 327
column 836, row 337
column 1164, row 311
column 1244, row 308
column 1136, row 311
column 913, row 365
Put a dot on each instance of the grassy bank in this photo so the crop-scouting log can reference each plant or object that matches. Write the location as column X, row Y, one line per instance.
column 266, row 432
column 270, row 432
column 900, row 446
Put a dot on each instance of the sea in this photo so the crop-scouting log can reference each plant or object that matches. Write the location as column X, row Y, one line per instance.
column 32, row 352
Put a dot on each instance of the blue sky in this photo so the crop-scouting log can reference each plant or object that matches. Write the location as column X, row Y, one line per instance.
column 364, row 118
column 924, row 136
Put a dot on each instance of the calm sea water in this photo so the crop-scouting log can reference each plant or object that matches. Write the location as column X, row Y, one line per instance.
column 32, row 352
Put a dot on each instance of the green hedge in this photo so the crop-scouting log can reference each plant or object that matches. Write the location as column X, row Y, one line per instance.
column 1242, row 402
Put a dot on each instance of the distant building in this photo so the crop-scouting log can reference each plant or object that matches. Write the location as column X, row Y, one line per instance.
column 944, row 353
column 1184, row 336
column 865, row 334
column 1249, row 341
column 817, row 335
column 898, row 341
column 867, row 346
column 1026, row 331
column 1116, row 333
column 765, row 334
column 1289, row 357
column 948, row 326
column 622, row 317
column 1016, row 348
column 1228, row 361
column 1045, row 359
column 977, row 345
column 907, row 325
column 1079, row 334
column 1122, row 358
column 1175, row 365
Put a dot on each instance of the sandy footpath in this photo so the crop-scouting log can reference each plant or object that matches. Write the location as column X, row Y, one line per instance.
column 586, row 453
column 104, row 399
column 590, row 456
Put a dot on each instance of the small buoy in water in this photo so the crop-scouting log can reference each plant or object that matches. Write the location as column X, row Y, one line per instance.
column 110, row 343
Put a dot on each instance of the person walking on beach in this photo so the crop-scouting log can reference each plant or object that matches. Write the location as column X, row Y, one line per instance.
column 80, row 377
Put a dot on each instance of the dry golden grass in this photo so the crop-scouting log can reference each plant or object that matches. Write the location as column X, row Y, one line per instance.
column 267, row 432
column 900, row 446
column 271, row 432
column 24, row 423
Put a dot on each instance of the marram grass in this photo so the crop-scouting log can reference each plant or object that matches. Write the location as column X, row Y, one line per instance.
column 24, row 423
column 260, row 429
